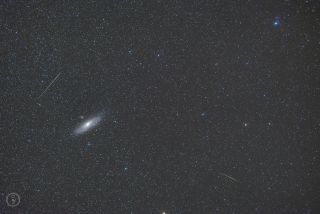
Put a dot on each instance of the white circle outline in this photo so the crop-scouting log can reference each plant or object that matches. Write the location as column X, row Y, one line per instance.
column 17, row 196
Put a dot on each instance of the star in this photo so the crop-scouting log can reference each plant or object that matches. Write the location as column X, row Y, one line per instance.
column 276, row 22
column 204, row 114
column 160, row 106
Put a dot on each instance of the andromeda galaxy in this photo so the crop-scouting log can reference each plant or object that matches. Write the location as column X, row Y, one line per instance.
column 88, row 124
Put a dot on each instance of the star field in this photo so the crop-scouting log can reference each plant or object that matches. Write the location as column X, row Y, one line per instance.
column 160, row 107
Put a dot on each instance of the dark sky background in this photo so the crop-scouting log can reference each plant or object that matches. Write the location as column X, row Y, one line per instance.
column 204, row 106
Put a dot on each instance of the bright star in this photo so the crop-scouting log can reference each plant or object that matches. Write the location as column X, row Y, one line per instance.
column 276, row 22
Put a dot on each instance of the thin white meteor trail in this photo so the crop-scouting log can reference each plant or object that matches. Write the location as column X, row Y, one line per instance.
column 228, row 176
column 45, row 90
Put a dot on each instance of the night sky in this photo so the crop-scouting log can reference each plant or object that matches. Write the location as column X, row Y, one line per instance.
column 160, row 107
